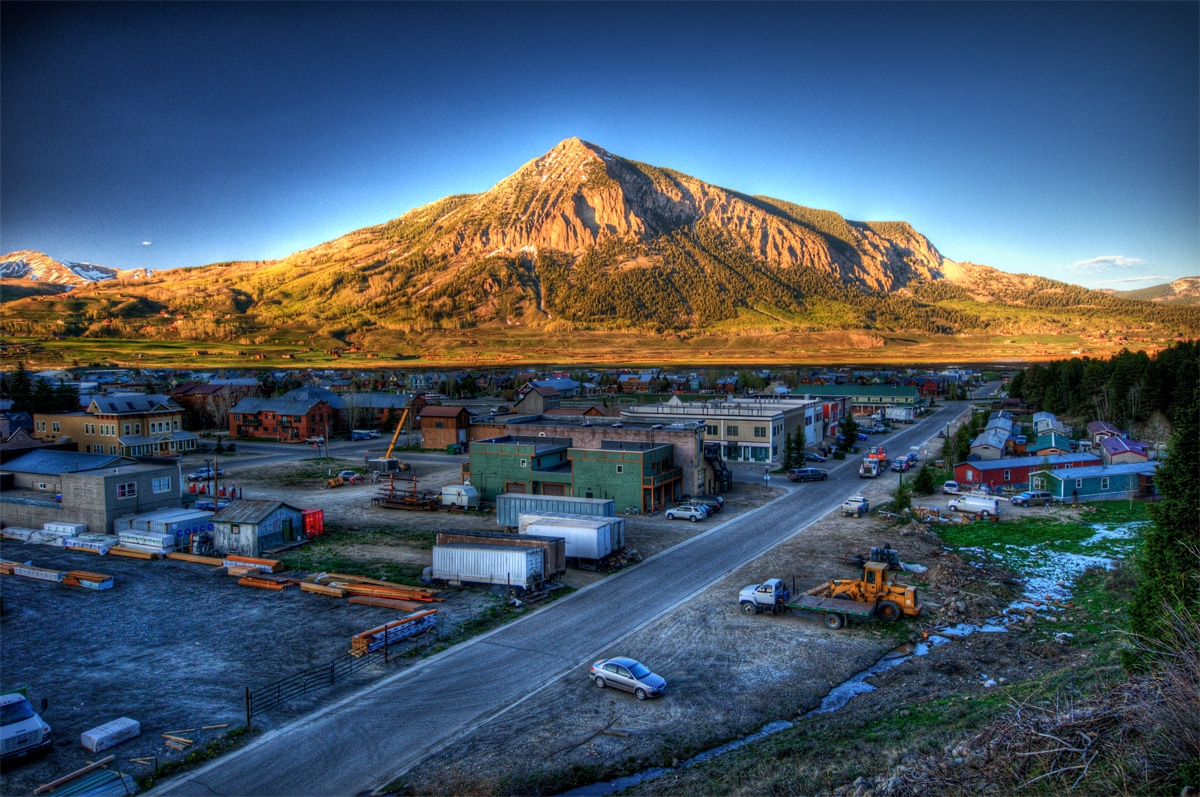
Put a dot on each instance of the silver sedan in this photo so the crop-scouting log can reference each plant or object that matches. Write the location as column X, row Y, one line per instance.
column 630, row 675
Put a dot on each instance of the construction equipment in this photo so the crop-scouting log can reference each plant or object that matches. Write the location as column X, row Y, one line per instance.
column 886, row 554
column 394, row 497
column 387, row 463
column 840, row 599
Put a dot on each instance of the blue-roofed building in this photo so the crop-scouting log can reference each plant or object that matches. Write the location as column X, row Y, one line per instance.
column 1098, row 483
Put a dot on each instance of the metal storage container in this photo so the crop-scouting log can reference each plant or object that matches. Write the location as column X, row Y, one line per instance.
column 554, row 562
column 458, row 563
column 510, row 507
column 183, row 523
column 587, row 537
column 148, row 539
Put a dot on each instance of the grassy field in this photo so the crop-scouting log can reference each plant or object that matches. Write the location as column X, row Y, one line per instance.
column 759, row 343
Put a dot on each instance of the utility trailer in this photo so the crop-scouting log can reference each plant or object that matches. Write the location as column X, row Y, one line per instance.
column 838, row 600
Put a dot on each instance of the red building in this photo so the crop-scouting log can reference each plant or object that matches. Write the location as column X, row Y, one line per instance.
column 1014, row 471
column 285, row 420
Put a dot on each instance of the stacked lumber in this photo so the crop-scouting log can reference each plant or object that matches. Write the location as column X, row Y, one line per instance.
column 393, row 632
column 320, row 589
column 195, row 559
column 269, row 565
column 134, row 553
column 7, row 567
column 262, row 583
column 82, row 578
column 396, row 593
column 387, row 603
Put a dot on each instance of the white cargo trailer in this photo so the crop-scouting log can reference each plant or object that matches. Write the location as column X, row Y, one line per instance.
column 590, row 538
column 519, row 569
column 510, row 506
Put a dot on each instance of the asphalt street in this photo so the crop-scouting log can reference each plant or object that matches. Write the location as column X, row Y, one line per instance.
column 366, row 740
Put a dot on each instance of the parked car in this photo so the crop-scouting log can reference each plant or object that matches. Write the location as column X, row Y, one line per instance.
column 628, row 674
column 692, row 512
column 807, row 474
column 204, row 474
column 359, row 436
column 900, row 464
column 976, row 505
column 862, row 436
column 315, row 440
column 713, row 503
column 952, row 488
column 1032, row 498
column 350, row 477
column 811, row 457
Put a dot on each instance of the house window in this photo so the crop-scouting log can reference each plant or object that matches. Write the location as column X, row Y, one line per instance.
column 731, row 431
column 235, row 529
column 41, row 426
column 127, row 428
column 1079, row 484
column 1008, row 475
column 760, row 431
column 1104, row 483
column 712, row 430
column 162, row 485
column 620, row 469
column 112, row 449
column 137, row 428
column 524, row 462
column 970, row 475
column 127, row 490
column 54, row 426
column 41, row 486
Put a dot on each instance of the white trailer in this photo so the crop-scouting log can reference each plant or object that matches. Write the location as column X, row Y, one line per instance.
column 591, row 538
column 518, row 569
column 901, row 414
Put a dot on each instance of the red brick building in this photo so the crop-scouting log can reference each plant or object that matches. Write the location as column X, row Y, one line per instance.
column 284, row 420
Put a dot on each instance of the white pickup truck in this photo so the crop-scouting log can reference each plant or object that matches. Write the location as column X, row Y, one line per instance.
column 856, row 506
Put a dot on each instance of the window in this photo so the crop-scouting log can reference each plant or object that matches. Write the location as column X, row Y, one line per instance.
column 235, row 529
column 712, row 430
column 41, row 426
column 127, row 490
column 162, row 485
column 137, row 428
column 41, row 485
column 760, row 431
column 112, row 449
column 1078, row 483
column 1104, row 483
column 524, row 462
column 54, row 426
column 731, row 431
column 620, row 469
column 1008, row 475
column 127, row 428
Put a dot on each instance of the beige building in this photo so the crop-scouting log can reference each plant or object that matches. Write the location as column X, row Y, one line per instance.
column 149, row 425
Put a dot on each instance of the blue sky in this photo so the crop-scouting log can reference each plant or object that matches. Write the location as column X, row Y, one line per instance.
column 1055, row 139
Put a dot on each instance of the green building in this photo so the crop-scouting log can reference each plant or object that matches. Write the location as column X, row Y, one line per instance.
column 640, row 475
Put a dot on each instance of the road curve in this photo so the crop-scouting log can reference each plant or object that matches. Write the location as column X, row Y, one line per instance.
column 366, row 740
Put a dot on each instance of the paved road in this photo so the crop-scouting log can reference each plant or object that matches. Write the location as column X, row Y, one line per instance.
column 368, row 739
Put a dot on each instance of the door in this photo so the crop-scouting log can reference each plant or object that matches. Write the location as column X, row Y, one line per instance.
column 514, row 487
column 554, row 489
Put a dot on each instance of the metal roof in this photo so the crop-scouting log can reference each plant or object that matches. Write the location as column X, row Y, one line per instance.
column 52, row 463
column 280, row 406
column 1146, row 468
column 249, row 510
column 1029, row 462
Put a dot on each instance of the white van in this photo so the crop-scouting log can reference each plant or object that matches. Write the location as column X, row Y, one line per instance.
column 976, row 505
column 22, row 732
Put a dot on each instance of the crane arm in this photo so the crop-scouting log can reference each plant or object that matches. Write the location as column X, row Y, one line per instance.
column 396, row 434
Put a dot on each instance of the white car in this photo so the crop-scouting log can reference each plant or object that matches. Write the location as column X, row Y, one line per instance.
column 692, row 512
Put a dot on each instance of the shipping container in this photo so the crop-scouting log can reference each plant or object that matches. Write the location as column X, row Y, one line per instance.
column 517, row 568
column 176, row 521
column 590, row 538
column 554, row 562
column 510, row 507
column 147, row 539
column 314, row 522
column 72, row 529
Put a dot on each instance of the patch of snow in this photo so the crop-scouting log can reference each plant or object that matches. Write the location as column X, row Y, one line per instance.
column 912, row 567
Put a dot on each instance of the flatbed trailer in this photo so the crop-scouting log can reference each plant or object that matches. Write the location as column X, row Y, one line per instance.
column 836, row 610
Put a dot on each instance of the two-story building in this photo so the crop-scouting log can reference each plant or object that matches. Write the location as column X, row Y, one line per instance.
column 284, row 420
column 865, row 400
column 131, row 425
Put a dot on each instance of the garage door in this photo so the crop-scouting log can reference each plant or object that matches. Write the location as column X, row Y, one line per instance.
column 514, row 487
column 554, row 489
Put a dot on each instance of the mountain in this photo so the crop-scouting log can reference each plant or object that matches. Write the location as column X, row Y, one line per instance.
column 1185, row 290
column 38, row 267
column 579, row 244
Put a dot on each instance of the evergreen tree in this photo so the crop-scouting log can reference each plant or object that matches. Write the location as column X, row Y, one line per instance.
column 789, row 452
column 1169, row 562
column 902, row 498
column 19, row 388
column 923, row 483
column 850, row 429
column 798, row 444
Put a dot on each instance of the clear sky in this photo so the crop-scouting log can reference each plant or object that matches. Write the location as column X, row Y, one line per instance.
column 1054, row 139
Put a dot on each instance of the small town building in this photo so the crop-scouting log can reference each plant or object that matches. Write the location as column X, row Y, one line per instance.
column 1049, row 443
column 131, row 425
column 865, row 400
column 1015, row 471
column 44, row 486
column 1099, row 483
column 251, row 527
column 989, row 444
column 1099, row 430
column 283, row 420
column 442, row 427
column 536, row 399
column 379, row 410
column 1119, row 451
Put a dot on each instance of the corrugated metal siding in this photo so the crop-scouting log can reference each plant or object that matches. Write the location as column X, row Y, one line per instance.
column 487, row 564
column 586, row 537
column 510, row 507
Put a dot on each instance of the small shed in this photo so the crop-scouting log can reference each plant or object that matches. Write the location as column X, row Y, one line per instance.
column 444, row 426
column 250, row 527
column 1102, row 483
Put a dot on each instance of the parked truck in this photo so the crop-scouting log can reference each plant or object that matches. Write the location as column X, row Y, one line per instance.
column 901, row 414
column 869, row 469
column 873, row 595
column 855, row 506
column 23, row 732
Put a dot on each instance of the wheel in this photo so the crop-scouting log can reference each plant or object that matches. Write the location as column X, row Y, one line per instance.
column 889, row 610
column 641, row 693
column 985, row 514
column 600, row 682
column 670, row 516
column 834, row 621
column 692, row 518
column 953, row 508
column 749, row 608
